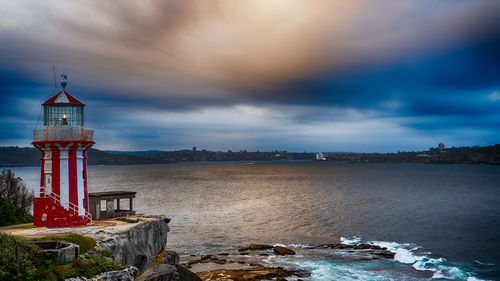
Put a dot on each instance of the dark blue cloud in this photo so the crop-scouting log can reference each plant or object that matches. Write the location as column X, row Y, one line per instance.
column 431, row 89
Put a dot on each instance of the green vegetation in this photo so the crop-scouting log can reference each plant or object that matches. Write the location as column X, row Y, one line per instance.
column 104, row 253
column 454, row 155
column 15, row 200
column 127, row 220
column 10, row 214
column 30, row 259
column 87, row 266
column 20, row 226
column 86, row 243
column 34, row 264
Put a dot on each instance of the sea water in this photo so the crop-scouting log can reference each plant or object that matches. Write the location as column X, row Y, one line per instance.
column 441, row 221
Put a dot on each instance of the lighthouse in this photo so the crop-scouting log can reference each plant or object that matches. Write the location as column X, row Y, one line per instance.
column 63, row 143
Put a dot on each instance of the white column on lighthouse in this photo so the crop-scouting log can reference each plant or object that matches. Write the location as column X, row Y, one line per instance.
column 64, row 176
column 79, row 172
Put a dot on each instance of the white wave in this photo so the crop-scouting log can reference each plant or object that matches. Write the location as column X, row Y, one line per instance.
column 322, row 270
column 351, row 240
column 301, row 246
column 404, row 253
column 473, row 279
column 482, row 263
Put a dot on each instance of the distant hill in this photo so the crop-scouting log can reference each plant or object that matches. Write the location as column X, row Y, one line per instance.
column 27, row 156
column 454, row 155
column 142, row 152
column 13, row 156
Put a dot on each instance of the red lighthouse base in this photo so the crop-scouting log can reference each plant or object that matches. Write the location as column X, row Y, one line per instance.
column 51, row 214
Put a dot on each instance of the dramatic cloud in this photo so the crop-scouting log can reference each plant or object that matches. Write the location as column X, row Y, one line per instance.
column 251, row 73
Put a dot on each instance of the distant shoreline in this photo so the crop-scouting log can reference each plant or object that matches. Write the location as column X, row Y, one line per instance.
column 27, row 156
column 268, row 161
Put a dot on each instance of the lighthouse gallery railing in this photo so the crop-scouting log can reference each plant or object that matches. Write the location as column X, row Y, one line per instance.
column 63, row 133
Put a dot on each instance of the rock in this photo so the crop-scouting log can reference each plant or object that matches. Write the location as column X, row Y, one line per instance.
column 186, row 274
column 92, row 253
column 256, row 247
column 260, row 273
column 137, row 245
column 205, row 259
column 370, row 251
column 128, row 274
column 160, row 272
column 218, row 261
column 386, row 254
column 283, row 251
column 165, row 267
column 356, row 247
column 170, row 257
column 260, row 246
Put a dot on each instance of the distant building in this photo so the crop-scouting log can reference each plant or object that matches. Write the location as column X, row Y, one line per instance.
column 194, row 148
column 320, row 156
column 441, row 146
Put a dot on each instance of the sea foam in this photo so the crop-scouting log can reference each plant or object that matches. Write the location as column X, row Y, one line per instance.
column 405, row 253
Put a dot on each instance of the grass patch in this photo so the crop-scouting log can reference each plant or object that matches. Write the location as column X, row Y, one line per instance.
column 87, row 266
column 26, row 226
column 127, row 220
column 104, row 253
column 86, row 243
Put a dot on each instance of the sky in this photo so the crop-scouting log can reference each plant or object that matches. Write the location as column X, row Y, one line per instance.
column 295, row 75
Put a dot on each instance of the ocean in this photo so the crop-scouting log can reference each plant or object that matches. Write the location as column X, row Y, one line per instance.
column 441, row 221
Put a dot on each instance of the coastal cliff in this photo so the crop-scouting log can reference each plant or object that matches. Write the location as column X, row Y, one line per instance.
column 137, row 245
column 138, row 242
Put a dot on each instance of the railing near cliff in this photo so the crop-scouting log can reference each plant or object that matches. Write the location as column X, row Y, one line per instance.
column 74, row 208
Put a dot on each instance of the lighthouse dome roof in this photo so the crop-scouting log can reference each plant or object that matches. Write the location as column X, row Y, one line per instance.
column 62, row 97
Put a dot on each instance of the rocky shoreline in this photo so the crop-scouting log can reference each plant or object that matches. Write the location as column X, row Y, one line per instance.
column 142, row 246
column 249, row 263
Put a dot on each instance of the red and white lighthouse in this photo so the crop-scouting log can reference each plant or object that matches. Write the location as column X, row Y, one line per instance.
column 63, row 142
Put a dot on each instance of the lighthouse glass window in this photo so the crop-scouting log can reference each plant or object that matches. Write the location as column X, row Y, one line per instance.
column 57, row 115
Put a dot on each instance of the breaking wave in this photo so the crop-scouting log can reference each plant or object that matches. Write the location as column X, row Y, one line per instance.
column 405, row 253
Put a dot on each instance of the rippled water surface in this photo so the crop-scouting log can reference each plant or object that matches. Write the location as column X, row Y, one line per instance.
column 445, row 218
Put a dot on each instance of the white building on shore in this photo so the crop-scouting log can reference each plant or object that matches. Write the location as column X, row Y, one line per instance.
column 320, row 157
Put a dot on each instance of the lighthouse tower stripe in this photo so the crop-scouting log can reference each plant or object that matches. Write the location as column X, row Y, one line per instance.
column 47, row 169
column 56, row 169
column 64, row 176
column 84, row 163
column 42, row 171
column 81, row 187
column 72, row 174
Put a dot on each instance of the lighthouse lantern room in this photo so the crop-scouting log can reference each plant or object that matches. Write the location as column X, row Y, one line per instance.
column 63, row 142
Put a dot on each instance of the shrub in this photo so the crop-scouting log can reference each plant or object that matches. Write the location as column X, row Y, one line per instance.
column 91, row 266
column 15, row 200
column 10, row 214
column 30, row 259
column 88, row 267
